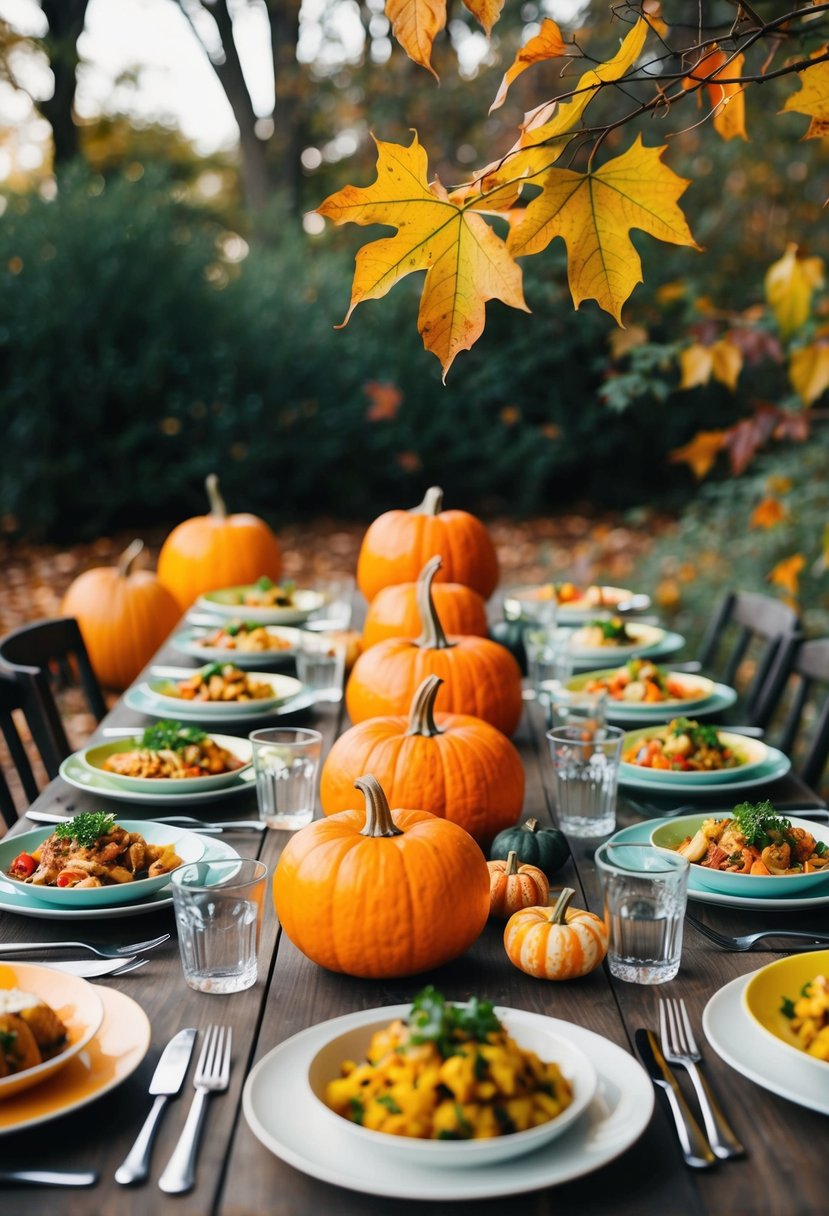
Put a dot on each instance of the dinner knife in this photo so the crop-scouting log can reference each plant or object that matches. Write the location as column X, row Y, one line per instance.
column 50, row 1177
column 696, row 1150
column 168, row 1079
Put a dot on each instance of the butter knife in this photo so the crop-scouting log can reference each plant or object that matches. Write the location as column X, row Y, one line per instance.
column 50, row 1177
column 168, row 1079
column 696, row 1150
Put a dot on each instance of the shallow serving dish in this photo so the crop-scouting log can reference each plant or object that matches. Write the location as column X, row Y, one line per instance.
column 547, row 1044
column 189, row 846
column 188, row 641
column 523, row 602
column 229, row 602
column 699, row 689
column 95, row 758
column 763, row 996
column 645, row 638
column 284, row 687
column 670, row 834
column 754, row 754
column 75, row 1001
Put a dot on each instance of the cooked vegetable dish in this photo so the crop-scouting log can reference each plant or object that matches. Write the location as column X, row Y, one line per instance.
column 30, row 1031
column 220, row 682
column 449, row 1072
column 173, row 750
column 755, row 840
column 684, row 746
column 265, row 593
column 92, row 851
column 641, row 682
column 809, row 1015
column 244, row 636
column 600, row 633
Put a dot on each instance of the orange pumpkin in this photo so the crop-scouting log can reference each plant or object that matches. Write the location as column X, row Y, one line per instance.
column 217, row 550
column 393, row 613
column 398, row 543
column 454, row 765
column 124, row 615
column 480, row 677
column 366, row 892
column 512, row 887
column 556, row 943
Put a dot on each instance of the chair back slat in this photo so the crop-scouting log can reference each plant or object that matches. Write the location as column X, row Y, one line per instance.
column 803, row 688
column 12, row 701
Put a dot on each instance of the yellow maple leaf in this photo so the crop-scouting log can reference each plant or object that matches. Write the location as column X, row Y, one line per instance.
column 546, row 44
column 594, row 214
column 809, row 372
column 416, row 23
column 696, row 363
column 790, row 283
column 726, row 363
column 813, row 99
column 700, row 453
column 652, row 10
column 466, row 262
column 768, row 513
column 623, row 341
column 786, row 574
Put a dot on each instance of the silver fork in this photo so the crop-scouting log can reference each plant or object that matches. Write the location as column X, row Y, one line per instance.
column 680, row 1047
column 100, row 948
column 212, row 1076
column 746, row 941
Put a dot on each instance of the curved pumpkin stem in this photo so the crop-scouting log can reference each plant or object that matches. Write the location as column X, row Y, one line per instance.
column 432, row 502
column 512, row 863
column 127, row 558
column 422, row 709
column 432, row 636
column 217, row 503
column 378, row 815
column 560, row 909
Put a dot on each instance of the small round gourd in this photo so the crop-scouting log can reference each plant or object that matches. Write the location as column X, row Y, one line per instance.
column 559, row 943
column 546, row 848
column 512, row 887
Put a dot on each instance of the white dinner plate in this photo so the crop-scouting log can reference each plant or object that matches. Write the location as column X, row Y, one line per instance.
column 187, row 642
column 227, row 603
column 82, row 777
column 640, row 833
column 283, row 1114
column 582, row 661
column 144, row 702
column 738, row 1041
column 617, row 712
column 11, row 901
column 774, row 767
column 283, row 688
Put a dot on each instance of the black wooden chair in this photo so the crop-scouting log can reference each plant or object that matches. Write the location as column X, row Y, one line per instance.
column 797, row 708
column 43, row 658
column 749, row 630
column 11, row 709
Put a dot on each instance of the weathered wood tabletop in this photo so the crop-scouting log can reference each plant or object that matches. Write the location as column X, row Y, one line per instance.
column 784, row 1171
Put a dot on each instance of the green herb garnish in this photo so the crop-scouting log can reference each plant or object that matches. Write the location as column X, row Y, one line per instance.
column 787, row 1007
column 214, row 669
column 264, row 583
column 388, row 1101
column 700, row 735
column 613, row 630
column 760, row 823
column 86, row 828
column 357, row 1110
column 433, row 1020
column 171, row 736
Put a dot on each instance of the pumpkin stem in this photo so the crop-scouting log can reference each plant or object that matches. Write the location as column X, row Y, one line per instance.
column 125, row 561
column 432, row 636
column 432, row 502
column 561, row 906
column 422, row 710
column 531, row 825
column 217, row 503
column 512, row 863
column 378, row 815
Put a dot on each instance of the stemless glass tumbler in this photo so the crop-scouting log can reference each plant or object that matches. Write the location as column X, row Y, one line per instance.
column 645, row 892
column 585, row 764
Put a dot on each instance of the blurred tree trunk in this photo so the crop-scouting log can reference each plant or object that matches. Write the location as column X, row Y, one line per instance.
column 60, row 44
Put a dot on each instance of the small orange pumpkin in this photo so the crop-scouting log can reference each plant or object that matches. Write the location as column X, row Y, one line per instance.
column 512, row 887
column 556, row 943
column 398, row 543
column 454, row 765
column 393, row 613
column 217, row 550
column 480, row 677
column 366, row 892
column 124, row 615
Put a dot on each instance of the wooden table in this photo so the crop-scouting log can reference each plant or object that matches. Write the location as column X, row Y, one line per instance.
column 785, row 1171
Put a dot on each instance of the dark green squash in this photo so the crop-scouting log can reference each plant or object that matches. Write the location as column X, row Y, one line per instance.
column 546, row 848
column 511, row 635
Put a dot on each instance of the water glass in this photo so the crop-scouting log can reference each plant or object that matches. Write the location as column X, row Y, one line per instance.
column 645, row 892
column 320, row 664
column 218, row 907
column 336, row 608
column 533, row 605
column 286, row 762
column 585, row 762
column 576, row 707
column 548, row 664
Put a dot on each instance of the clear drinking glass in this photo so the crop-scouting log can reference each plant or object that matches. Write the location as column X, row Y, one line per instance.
column 645, row 892
column 320, row 664
column 218, row 907
column 335, row 611
column 286, row 762
column 585, row 763
column 548, row 664
column 577, row 707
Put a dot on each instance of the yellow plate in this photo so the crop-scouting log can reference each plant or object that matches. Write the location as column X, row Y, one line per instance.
column 763, row 995
column 76, row 1003
column 109, row 1058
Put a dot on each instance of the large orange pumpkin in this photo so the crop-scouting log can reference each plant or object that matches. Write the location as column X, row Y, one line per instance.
column 398, row 543
column 393, row 613
column 366, row 892
column 124, row 615
column 454, row 765
column 480, row 677
column 217, row 550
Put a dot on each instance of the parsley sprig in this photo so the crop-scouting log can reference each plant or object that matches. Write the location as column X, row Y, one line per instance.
column 760, row 823
column 171, row 736
column 699, row 734
column 86, row 828
column 434, row 1020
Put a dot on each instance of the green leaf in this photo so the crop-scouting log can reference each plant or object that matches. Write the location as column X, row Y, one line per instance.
column 86, row 828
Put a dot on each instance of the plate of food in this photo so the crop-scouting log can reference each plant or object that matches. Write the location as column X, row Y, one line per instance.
column 640, row 686
column 789, row 1001
column 248, row 644
column 751, row 851
column 171, row 758
column 607, row 636
column 573, row 602
column 221, row 690
column 690, row 753
column 92, row 861
column 46, row 1018
column 264, row 601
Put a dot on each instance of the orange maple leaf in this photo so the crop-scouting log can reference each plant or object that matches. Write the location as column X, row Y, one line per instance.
column 546, row 44
column 786, row 574
column 385, row 399
column 727, row 100
column 768, row 513
column 701, row 452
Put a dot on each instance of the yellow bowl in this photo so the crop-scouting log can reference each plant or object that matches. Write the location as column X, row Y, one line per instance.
column 763, row 998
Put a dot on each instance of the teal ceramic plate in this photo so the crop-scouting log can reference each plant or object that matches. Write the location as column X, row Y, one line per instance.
column 698, row 689
column 96, row 757
column 669, row 644
column 229, row 603
column 140, row 698
column 752, row 752
column 617, row 714
column 775, row 767
column 76, row 773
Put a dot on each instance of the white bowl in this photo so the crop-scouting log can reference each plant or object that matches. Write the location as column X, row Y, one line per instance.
column 753, row 752
column 284, row 687
column 698, row 690
column 525, row 1030
column 94, row 758
column 189, row 642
